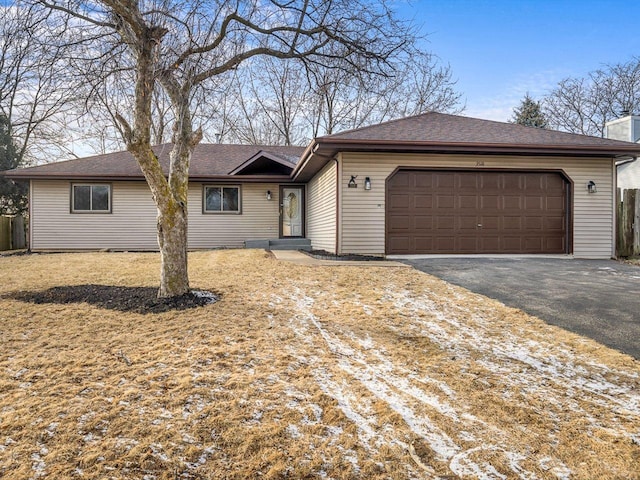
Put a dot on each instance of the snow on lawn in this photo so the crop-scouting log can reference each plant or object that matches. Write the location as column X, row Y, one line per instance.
column 553, row 384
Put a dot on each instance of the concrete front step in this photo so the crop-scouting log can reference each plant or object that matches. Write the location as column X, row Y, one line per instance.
column 280, row 244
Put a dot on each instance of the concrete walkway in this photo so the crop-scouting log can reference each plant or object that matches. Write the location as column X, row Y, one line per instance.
column 294, row 256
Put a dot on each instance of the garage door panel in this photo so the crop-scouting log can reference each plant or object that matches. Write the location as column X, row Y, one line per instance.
column 466, row 181
column 555, row 182
column 489, row 223
column 425, row 179
column 477, row 212
column 400, row 180
column 512, row 202
column 533, row 202
column 400, row 244
column 443, row 244
column 512, row 223
column 445, row 201
column 468, row 202
column 400, row 201
column 423, row 222
column 445, row 223
column 554, row 244
column 490, row 181
column 490, row 243
column 512, row 183
column 445, row 180
column 533, row 223
column 400, row 223
column 554, row 223
column 489, row 202
column 511, row 243
column 466, row 222
column 422, row 201
column 555, row 203
column 423, row 244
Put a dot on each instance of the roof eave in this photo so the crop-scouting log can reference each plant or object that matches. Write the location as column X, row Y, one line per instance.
column 139, row 178
column 321, row 150
column 410, row 146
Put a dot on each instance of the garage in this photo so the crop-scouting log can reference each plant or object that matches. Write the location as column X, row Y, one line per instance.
column 434, row 211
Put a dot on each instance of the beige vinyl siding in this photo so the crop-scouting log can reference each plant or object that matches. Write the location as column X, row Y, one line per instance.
column 259, row 218
column 362, row 213
column 130, row 226
column 321, row 209
column 132, row 223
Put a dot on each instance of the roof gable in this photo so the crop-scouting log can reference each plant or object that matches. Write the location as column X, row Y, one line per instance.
column 265, row 163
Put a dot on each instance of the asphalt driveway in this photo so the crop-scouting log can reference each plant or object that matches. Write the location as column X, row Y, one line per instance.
column 599, row 299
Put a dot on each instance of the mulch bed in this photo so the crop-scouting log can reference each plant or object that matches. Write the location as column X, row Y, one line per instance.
column 324, row 255
column 124, row 299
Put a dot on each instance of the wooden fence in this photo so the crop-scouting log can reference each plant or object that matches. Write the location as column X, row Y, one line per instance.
column 13, row 235
column 628, row 237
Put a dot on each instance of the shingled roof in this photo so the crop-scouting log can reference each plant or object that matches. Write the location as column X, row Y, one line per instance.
column 442, row 133
column 427, row 133
column 441, row 128
column 209, row 161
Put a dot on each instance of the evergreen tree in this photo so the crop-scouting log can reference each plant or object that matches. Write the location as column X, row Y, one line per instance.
column 529, row 113
column 13, row 196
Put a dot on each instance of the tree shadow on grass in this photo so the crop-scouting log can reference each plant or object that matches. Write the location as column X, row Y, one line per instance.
column 123, row 299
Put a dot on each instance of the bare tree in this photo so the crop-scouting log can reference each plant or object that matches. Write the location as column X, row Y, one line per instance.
column 183, row 45
column 33, row 88
column 585, row 105
column 288, row 104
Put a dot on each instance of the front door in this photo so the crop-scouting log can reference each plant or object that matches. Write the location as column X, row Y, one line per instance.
column 291, row 212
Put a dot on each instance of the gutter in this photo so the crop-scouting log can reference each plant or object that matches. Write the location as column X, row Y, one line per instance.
column 140, row 178
column 624, row 161
column 489, row 148
column 304, row 159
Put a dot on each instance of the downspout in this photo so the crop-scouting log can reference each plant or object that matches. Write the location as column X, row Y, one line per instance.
column 338, row 198
column 614, row 188
column 30, row 224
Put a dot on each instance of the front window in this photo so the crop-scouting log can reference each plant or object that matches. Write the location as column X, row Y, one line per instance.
column 92, row 198
column 221, row 199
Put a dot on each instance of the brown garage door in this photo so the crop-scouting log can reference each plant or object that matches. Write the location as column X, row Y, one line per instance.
column 435, row 211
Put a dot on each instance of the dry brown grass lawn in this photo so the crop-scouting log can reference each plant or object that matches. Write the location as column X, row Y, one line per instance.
column 301, row 372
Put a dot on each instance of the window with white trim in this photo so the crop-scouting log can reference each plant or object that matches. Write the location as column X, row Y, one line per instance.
column 221, row 199
column 90, row 198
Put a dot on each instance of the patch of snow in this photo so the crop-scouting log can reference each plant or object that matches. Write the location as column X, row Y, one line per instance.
column 38, row 464
column 126, row 443
column 156, row 449
column 524, row 365
column 208, row 296
column 19, row 373
column 367, row 309
column 294, row 431
column 462, row 465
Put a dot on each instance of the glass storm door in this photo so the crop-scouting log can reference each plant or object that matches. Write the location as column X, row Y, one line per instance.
column 291, row 216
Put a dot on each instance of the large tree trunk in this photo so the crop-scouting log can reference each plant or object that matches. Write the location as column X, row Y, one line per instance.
column 172, row 240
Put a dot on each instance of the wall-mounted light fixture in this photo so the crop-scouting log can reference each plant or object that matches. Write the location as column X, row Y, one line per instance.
column 591, row 186
column 352, row 183
column 367, row 183
column 268, row 194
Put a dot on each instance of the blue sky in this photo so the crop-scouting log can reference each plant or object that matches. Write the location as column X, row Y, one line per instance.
column 501, row 49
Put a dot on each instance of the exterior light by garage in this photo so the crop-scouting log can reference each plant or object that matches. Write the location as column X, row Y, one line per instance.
column 268, row 194
column 367, row 183
column 352, row 182
column 591, row 187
